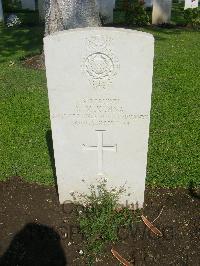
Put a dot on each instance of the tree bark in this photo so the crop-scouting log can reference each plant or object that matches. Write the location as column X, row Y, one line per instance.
column 69, row 14
column 53, row 17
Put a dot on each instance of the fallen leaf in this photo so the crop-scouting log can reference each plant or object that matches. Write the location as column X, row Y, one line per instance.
column 120, row 258
column 11, row 63
column 151, row 226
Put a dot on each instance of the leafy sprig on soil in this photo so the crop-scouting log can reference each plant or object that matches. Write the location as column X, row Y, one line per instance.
column 100, row 219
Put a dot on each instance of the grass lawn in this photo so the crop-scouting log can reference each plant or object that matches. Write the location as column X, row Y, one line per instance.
column 174, row 150
column 24, row 111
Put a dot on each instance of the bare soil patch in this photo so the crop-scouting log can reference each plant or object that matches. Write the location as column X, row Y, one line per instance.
column 34, row 62
column 36, row 230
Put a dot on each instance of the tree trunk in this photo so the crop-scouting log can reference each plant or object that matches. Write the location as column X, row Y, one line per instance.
column 69, row 14
column 53, row 17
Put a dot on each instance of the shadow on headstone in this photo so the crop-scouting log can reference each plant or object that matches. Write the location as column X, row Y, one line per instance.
column 51, row 155
column 192, row 192
column 34, row 245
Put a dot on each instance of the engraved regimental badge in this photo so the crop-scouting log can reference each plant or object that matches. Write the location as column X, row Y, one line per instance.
column 100, row 64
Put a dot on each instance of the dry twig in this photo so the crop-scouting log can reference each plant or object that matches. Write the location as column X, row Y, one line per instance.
column 158, row 215
column 151, row 226
column 120, row 258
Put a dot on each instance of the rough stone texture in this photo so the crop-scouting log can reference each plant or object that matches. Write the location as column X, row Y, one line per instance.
column 28, row 4
column 105, row 8
column 99, row 84
column 53, row 17
column 191, row 4
column 1, row 12
column 81, row 13
column 70, row 14
column 161, row 11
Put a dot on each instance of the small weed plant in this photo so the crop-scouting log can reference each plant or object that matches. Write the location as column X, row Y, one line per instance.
column 100, row 218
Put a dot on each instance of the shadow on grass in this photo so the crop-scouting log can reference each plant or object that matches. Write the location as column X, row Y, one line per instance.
column 49, row 141
column 35, row 245
column 24, row 40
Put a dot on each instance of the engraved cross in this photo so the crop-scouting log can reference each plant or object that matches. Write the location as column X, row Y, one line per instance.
column 100, row 148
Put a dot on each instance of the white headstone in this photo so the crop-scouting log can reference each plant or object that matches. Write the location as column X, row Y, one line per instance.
column 1, row 12
column 191, row 4
column 161, row 11
column 148, row 3
column 99, row 85
column 28, row 4
column 105, row 8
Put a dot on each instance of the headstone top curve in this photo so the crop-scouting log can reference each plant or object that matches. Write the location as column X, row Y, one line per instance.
column 99, row 29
